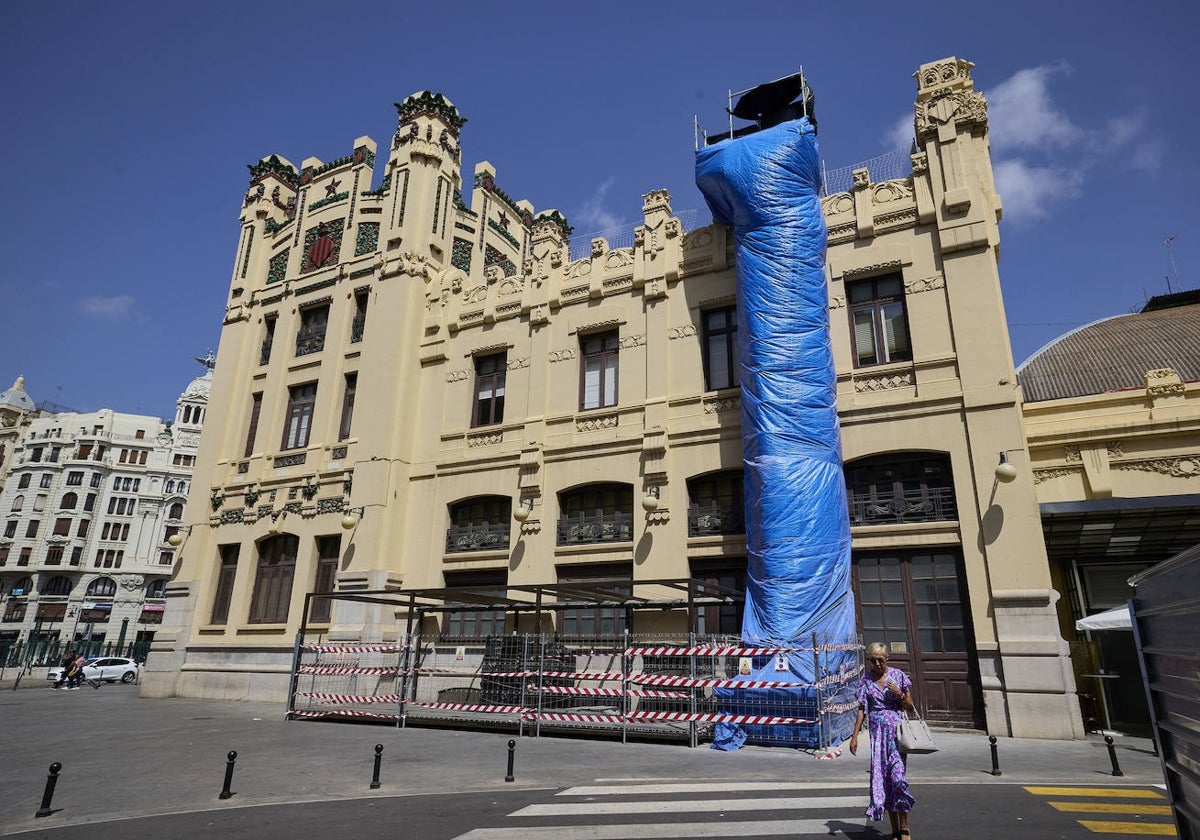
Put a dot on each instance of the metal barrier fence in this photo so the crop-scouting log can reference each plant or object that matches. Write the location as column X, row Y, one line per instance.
column 681, row 687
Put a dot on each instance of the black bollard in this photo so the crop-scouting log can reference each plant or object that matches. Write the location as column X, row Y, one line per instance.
column 51, row 781
column 378, row 761
column 1112, row 756
column 225, row 792
column 512, row 754
column 995, row 755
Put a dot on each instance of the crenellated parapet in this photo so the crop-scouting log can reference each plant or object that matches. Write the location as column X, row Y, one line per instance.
column 428, row 126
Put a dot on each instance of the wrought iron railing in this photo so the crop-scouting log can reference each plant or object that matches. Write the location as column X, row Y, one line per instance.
column 705, row 520
column 605, row 527
column 311, row 340
column 484, row 537
column 933, row 504
column 356, row 328
column 264, row 355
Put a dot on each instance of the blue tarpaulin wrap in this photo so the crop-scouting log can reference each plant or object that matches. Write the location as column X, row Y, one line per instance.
column 766, row 186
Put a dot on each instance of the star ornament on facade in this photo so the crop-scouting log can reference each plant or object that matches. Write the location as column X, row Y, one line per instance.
column 503, row 220
column 331, row 187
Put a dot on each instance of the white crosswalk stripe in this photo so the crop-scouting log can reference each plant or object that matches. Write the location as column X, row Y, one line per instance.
column 585, row 820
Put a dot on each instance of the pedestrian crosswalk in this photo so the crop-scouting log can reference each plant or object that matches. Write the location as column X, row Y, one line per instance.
column 1113, row 810
column 692, row 809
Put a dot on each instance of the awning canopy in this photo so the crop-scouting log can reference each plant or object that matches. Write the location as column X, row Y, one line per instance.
column 1114, row 619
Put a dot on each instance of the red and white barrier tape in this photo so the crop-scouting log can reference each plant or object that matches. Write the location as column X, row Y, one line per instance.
column 340, row 713
column 472, row 707
column 563, row 717
column 723, row 650
column 350, row 698
column 610, row 692
column 338, row 671
column 354, row 648
column 716, row 718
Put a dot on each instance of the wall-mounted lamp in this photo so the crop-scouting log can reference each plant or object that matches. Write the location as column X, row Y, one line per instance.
column 522, row 512
column 176, row 539
column 1005, row 472
column 650, row 500
column 352, row 517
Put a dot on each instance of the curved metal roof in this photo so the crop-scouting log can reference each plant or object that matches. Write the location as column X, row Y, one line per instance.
column 1114, row 354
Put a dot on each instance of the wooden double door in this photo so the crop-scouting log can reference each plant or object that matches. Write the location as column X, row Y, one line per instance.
column 916, row 602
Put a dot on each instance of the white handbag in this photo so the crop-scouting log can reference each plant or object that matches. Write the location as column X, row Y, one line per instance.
column 913, row 736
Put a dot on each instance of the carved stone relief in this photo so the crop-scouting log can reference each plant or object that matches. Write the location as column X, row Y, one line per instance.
column 1186, row 466
column 925, row 284
column 872, row 384
column 593, row 424
column 681, row 332
column 562, row 355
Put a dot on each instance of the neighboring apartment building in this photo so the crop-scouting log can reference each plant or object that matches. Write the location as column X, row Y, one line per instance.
column 17, row 410
column 87, row 509
column 496, row 411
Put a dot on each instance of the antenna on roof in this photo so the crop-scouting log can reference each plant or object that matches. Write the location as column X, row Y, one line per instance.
column 1174, row 270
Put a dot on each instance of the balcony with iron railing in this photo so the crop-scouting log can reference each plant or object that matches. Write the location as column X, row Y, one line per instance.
column 713, row 519
column 310, row 340
column 598, row 528
column 482, row 537
column 930, row 504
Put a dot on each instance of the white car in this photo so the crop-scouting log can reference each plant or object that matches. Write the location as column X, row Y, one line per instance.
column 107, row 668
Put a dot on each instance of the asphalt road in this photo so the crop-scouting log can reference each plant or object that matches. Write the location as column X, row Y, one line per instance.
column 153, row 768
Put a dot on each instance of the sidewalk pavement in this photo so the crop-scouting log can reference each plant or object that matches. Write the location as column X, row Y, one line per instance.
column 124, row 756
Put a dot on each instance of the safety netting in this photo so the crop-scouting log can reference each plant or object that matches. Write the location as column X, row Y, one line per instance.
column 766, row 185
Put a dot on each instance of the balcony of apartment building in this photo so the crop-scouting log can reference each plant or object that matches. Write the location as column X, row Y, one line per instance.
column 481, row 523
column 900, row 489
column 716, row 504
column 595, row 513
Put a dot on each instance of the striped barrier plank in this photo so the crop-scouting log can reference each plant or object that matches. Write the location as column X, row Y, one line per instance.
column 471, row 707
column 307, row 713
column 564, row 717
column 610, row 692
column 339, row 671
column 354, row 648
column 708, row 650
column 349, row 699
column 769, row 720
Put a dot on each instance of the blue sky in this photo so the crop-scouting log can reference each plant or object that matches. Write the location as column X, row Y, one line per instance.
column 129, row 127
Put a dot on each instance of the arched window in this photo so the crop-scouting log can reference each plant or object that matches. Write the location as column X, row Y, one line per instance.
column 182, row 487
column 479, row 524
column 170, row 486
column 57, row 585
column 900, row 487
column 596, row 513
column 102, row 587
column 21, row 587
column 156, row 589
column 176, row 511
column 18, row 503
column 69, row 501
column 716, row 504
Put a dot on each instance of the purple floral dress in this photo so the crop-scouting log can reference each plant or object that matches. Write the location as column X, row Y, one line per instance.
column 889, row 787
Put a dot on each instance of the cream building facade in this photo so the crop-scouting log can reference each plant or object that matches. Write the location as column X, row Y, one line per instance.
column 17, row 410
column 494, row 408
column 89, row 503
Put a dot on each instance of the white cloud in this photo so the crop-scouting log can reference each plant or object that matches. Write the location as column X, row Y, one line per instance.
column 592, row 216
column 1022, row 114
column 108, row 308
column 900, row 134
column 1147, row 157
column 1028, row 191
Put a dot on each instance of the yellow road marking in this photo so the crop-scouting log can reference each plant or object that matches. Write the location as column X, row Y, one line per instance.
column 1102, row 827
column 1112, row 808
column 1118, row 793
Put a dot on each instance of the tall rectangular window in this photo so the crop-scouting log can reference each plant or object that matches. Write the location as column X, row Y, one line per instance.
column 74, row 479
column 298, row 423
column 54, row 555
column 226, row 573
column 613, row 582
column 598, row 373
column 76, row 555
column 273, row 582
column 359, row 324
column 264, row 355
column 32, row 528
column 879, row 321
column 62, row 526
column 252, row 432
column 328, row 549
column 720, row 348
column 476, row 623
column 490, row 372
column 23, row 481
column 348, row 406
column 310, row 338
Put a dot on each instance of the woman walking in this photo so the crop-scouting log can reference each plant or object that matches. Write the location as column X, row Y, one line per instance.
column 884, row 695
